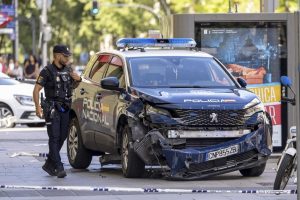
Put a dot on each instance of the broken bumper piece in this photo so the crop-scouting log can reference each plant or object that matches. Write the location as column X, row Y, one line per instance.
column 191, row 163
column 248, row 151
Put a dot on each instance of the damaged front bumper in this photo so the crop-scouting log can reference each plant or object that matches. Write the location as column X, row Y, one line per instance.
column 195, row 158
column 250, row 150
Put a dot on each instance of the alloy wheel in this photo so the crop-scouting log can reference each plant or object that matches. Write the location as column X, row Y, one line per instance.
column 73, row 142
column 4, row 113
column 125, row 150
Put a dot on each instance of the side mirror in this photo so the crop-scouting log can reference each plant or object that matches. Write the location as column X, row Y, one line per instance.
column 286, row 81
column 242, row 82
column 110, row 83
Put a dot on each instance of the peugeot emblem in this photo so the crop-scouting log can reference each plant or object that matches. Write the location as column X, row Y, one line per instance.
column 213, row 117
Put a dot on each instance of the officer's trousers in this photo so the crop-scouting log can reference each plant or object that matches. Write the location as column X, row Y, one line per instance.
column 57, row 129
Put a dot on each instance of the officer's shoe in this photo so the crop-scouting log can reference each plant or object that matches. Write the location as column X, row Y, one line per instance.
column 60, row 172
column 49, row 168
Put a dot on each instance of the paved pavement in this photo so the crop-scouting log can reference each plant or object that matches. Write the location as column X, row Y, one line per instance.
column 19, row 169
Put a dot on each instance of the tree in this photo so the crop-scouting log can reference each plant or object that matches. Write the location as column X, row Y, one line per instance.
column 287, row 6
column 117, row 21
column 73, row 24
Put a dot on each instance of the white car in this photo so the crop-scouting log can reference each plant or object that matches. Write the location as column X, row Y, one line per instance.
column 2, row 75
column 16, row 100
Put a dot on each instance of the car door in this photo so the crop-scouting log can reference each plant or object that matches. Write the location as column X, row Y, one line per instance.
column 80, row 97
column 91, row 104
column 109, row 104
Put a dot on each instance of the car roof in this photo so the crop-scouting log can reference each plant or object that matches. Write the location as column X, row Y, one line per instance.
column 158, row 52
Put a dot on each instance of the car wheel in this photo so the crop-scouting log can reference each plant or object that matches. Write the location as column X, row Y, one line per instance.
column 132, row 165
column 254, row 171
column 36, row 125
column 79, row 157
column 284, row 172
column 5, row 111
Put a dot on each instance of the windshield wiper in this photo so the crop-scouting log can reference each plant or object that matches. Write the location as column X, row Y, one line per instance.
column 186, row 86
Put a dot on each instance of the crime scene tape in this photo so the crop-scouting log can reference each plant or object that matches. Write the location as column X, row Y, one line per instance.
column 146, row 190
column 29, row 154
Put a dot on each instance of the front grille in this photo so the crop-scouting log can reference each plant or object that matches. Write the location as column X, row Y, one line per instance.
column 205, row 117
column 28, row 115
column 197, row 167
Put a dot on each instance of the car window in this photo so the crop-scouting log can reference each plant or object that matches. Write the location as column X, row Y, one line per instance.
column 177, row 71
column 115, row 69
column 87, row 69
column 99, row 67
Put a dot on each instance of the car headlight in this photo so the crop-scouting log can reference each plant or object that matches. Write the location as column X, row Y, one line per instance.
column 254, row 106
column 154, row 110
column 24, row 100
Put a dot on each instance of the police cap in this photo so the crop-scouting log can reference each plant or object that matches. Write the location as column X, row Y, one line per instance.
column 59, row 48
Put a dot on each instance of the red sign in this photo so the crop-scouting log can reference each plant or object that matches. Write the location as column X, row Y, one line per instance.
column 275, row 113
column 4, row 20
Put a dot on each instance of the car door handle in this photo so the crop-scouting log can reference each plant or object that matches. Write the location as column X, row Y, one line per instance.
column 82, row 91
column 98, row 96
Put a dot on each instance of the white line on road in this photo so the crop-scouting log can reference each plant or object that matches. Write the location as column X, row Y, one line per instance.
column 21, row 129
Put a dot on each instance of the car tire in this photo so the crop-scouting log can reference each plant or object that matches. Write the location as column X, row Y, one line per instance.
column 5, row 111
column 36, row 125
column 79, row 157
column 132, row 165
column 254, row 171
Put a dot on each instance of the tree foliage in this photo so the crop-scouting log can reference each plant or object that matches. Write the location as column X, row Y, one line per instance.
column 73, row 24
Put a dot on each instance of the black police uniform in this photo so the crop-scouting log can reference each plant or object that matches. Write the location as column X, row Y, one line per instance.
column 57, row 85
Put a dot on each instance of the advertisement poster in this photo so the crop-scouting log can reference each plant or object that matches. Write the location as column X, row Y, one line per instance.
column 270, row 95
column 255, row 51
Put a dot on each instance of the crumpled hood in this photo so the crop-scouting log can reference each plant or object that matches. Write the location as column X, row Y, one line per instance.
column 193, row 98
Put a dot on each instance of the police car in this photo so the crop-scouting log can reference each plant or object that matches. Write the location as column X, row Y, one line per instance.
column 162, row 102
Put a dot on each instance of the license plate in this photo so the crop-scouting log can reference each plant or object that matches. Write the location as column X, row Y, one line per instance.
column 223, row 152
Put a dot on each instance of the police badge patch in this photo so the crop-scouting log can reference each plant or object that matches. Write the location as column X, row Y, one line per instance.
column 40, row 79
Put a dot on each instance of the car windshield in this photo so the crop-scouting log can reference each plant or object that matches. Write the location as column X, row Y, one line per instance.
column 177, row 72
column 8, row 81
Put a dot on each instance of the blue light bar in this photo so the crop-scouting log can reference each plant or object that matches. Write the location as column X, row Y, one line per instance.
column 153, row 42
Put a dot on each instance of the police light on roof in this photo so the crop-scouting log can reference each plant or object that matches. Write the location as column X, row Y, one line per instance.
column 152, row 42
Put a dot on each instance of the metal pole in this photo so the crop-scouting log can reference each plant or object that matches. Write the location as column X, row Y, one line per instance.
column 32, row 20
column 260, row 6
column 229, row 6
column 44, row 23
column 297, row 82
column 16, row 32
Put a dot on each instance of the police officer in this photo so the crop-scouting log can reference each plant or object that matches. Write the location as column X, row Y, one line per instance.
column 58, row 80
